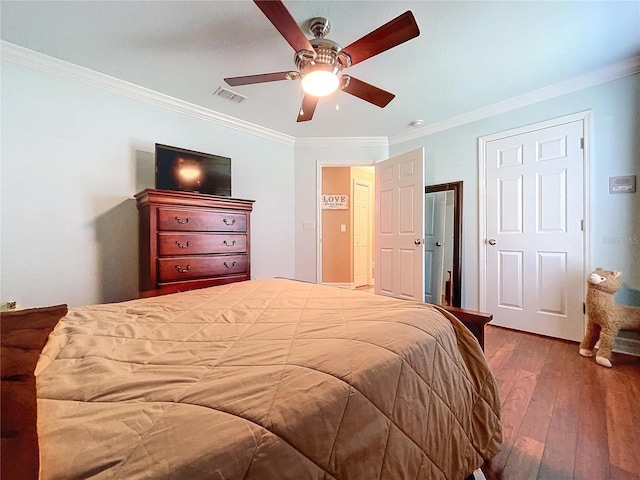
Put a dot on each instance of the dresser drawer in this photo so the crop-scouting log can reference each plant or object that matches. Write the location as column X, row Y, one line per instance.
column 200, row 220
column 200, row 243
column 186, row 268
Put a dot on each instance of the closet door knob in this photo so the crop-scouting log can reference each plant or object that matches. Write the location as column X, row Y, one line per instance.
column 492, row 241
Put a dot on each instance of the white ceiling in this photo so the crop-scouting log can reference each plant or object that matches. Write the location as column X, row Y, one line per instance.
column 469, row 55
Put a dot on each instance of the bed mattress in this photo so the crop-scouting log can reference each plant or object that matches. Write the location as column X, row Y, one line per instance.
column 264, row 379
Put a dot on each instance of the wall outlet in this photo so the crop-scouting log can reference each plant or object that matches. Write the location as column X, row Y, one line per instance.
column 12, row 305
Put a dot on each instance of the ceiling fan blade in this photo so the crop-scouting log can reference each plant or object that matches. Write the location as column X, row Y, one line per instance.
column 309, row 104
column 368, row 92
column 261, row 78
column 278, row 14
column 389, row 35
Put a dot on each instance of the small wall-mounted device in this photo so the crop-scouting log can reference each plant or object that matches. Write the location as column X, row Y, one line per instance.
column 9, row 306
column 625, row 184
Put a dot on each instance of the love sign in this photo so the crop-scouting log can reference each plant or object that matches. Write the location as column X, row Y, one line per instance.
column 335, row 202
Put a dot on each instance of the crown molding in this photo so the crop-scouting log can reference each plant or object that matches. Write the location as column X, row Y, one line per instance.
column 609, row 73
column 38, row 61
column 342, row 142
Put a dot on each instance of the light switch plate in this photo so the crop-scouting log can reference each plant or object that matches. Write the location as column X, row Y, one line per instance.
column 309, row 225
column 624, row 184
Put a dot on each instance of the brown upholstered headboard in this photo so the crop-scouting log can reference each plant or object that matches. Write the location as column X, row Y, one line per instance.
column 23, row 334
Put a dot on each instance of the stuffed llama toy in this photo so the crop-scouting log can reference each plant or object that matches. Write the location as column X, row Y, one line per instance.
column 606, row 317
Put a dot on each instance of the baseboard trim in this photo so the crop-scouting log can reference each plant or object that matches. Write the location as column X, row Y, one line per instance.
column 350, row 286
column 629, row 346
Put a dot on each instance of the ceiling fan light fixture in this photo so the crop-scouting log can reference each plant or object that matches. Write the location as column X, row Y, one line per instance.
column 320, row 73
column 320, row 83
column 320, row 61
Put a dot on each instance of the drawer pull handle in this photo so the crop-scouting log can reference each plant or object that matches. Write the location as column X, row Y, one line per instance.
column 180, row 245
column 233, row 264
column 183, row 270
column 186, row 220
column 226, row 222
column 229, row 244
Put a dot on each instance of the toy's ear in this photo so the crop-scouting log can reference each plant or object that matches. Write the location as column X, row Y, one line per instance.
column 599, row 268
column 616, row 274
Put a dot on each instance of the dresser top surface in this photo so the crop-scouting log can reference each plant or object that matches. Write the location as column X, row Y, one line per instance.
column 170, row 197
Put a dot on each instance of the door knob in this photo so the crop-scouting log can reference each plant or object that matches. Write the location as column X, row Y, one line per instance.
column 417, row 241
column 492, row 241
column 438, row 244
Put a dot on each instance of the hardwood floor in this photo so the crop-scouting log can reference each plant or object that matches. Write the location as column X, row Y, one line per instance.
column 564, row 417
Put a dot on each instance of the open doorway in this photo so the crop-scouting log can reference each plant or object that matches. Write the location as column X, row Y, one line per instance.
column 345, row 226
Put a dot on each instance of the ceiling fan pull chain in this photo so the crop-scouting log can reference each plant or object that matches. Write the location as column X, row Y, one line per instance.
column 337, row 103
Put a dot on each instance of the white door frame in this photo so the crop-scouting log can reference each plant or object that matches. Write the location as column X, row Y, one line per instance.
column 320, row 164
column 482, row 193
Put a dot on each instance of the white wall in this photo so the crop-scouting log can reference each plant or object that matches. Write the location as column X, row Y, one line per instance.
column 73, row 156
column 452, row 155
column 308, row 153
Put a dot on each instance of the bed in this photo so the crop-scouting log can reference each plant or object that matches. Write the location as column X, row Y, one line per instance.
column 264, row 379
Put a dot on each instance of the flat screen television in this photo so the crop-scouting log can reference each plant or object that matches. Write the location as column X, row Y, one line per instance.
column 189, row 171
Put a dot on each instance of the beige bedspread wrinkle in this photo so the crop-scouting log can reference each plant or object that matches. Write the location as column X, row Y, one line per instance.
column 265, row 379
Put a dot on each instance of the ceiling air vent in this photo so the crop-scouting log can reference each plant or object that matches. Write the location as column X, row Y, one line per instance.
column 229, row 95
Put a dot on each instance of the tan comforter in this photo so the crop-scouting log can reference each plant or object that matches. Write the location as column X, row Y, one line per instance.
column 265, row 379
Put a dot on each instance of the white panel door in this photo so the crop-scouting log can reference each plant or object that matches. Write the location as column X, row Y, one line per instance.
column 399, row 219
column 435, row 204
column 361, row 229
column 534, row 230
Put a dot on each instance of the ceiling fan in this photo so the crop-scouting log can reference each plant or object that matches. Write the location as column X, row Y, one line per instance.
column 320, row 61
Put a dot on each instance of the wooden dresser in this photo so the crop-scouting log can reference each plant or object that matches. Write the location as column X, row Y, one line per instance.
column 190, row 240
